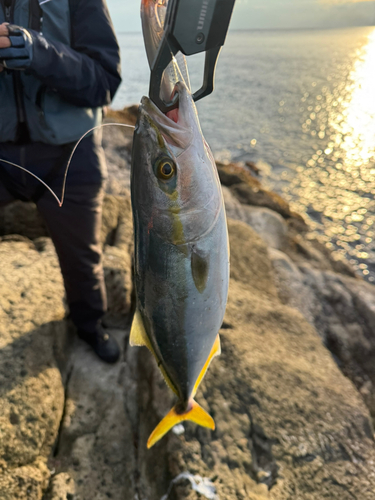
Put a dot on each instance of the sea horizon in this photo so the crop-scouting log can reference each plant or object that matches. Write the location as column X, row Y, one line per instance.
column 236, row 30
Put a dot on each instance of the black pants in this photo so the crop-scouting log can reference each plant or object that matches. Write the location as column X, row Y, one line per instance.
column 75, row 227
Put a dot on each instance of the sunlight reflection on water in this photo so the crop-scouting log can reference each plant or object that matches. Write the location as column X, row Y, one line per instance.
column 337, row 186
column 301, row 105
column 358, row 124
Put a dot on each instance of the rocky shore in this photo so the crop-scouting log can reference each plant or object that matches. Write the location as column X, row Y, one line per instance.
column 292, row 394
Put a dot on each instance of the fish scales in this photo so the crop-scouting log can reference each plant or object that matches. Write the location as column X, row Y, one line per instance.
column 183, row 316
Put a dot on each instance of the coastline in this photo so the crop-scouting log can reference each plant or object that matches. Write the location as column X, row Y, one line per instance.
column 291, row 394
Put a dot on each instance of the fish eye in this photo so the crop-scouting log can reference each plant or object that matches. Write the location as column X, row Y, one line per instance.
column 165, row 169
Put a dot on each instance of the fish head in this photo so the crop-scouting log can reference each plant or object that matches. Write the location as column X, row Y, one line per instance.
column 175, row 185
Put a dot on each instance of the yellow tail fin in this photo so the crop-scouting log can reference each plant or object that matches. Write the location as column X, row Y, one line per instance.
column 196, row 414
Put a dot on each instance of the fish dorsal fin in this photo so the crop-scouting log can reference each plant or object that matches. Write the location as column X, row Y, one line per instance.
column 215, row 351
column 138, row 335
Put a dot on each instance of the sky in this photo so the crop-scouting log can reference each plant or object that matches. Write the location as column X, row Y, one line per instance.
column 269, row 14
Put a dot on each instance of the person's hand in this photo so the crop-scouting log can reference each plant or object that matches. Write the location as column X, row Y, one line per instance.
column 4, row 39
column 4, row 30
column 16, row 47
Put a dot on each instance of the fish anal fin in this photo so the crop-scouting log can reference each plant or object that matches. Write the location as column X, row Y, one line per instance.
column 167, row 379
column 215, row 351
column 139, row 337
column 195, row 414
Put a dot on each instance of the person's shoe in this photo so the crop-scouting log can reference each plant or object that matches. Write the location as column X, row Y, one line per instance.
column 104, row 345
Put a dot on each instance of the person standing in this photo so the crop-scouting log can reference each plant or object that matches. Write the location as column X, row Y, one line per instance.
column 59, row 65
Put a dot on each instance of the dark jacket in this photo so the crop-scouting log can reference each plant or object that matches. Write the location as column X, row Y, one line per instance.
column 75, row 71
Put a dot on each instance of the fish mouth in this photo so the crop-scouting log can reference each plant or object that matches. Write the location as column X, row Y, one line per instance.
column 175, row 126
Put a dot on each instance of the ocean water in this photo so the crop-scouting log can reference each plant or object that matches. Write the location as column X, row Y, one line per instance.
column 301, row 104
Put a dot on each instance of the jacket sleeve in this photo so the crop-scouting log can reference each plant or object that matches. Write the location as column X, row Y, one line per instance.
column 88, row 73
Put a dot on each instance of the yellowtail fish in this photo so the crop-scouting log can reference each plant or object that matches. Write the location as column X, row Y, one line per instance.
column 181, row 250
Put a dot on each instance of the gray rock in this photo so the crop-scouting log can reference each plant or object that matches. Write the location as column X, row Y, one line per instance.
column 117, row 233
column 95, row 443
column 342, row 309
column 289, row 281
column 117, row 146
column 270, row 225
column 233, row 207
column 118, row 279
column 365, row 302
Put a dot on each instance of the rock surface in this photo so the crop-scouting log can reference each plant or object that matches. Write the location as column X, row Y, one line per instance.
column 270, row 225
column 35, row 361
column 31, row 386
column 291, row 420
column 95, row 445
column 343, row 311
column 286, row 418
column 62, row 487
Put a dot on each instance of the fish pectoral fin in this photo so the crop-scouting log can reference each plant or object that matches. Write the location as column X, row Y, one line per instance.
column 215, row 351
column 195, row 414
column 138, row 335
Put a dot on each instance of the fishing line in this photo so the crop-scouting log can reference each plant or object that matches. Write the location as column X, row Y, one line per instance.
column 63, row 189
column 176, row 72
column 35, row 176
column 76, row 146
